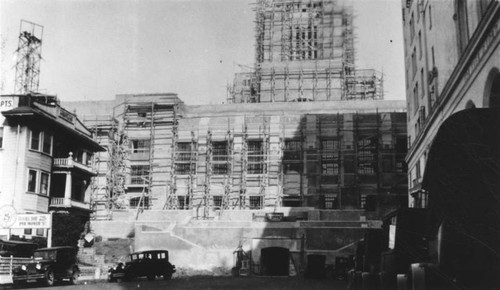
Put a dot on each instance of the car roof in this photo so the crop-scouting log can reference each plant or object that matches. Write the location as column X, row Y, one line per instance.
column 16, row 242
column 56, row 248
column 148, row 252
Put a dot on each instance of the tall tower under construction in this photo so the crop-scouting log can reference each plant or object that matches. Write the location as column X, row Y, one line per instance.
column 304, row 52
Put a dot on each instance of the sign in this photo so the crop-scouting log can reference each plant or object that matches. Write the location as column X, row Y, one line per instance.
column 8, row 216
column 32, row 221
column 6, row 103
column 392, row 236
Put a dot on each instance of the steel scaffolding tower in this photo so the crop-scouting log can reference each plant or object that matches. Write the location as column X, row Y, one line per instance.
column 29, row 55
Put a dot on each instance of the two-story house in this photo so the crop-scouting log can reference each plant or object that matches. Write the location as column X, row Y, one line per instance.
column 46, row 161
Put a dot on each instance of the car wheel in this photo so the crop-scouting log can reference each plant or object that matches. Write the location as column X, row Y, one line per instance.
column 111, row 279
column 49, row 278
column 167, row 276
column 74, row 276
column 18, row 284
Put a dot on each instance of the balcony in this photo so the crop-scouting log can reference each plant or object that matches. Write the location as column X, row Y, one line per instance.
column 68, row 163
column 61, row 202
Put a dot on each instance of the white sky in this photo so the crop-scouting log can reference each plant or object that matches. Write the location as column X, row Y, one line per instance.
column 95, row 49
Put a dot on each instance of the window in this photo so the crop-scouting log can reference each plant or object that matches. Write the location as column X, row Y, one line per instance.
column 414, row 61
column 330, row 201
column 366, row 160
column 362, row 201
column 416, row 97
column 35, row 140
column 255, row 157
column 421, row 199
column 1, row 137
column 183, row 201
column 329, row 157
column 220, row 169
column 47, row 143
column 142, row 202
column 430, row 17
column 217, row 200
column 412, row 27
column 461, row 24
column 32, row 180
column 422, row 81
column 420, row 44
column 185, row 161
column 28, row 232
column 140, row 146
column 400, row 167
column 40, row 232
column 255, row 202
column 41, row 141
column 44, row 183
column 292, row 159
column 292, row 150
column 304, row 41
column 220, row 157
column 139, row 174
column 417, row 170
column 38, row 181
column 183, row 169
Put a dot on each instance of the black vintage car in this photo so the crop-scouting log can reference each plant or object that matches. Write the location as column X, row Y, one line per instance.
column 19, row 249
column 48, row 266
column 143, row 264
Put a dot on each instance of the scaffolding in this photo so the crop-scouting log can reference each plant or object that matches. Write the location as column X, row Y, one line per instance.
column 28, row 57
column 305, row 52
column 270, row 162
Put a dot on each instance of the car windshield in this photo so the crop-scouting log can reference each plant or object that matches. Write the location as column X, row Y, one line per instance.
column 45, row 255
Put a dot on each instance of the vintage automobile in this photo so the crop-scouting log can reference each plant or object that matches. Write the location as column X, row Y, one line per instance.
column 143, row 264
column 48, row 266
column 18, row 249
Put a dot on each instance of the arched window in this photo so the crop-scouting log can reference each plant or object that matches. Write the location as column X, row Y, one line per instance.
column 495, row 93
column 462, row 26
column 491, row 98
column 470, row 105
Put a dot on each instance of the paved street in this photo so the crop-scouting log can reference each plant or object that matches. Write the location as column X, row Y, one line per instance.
column 213, row 283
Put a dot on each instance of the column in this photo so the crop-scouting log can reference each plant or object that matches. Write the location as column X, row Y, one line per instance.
column 67, row 189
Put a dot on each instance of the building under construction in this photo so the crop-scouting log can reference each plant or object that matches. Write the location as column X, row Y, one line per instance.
column 304, row 52
column 197, row 177
column 302, row 160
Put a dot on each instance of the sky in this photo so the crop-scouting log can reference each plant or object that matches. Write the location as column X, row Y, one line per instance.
column 96, row 49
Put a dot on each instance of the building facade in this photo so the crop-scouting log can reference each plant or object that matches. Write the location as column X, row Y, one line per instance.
column 452, row 60
column 46, row 155
column 200, row 180
column 334, row 155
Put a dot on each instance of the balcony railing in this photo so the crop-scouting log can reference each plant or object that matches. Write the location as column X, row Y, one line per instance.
column 70, row 163
column 61, row 202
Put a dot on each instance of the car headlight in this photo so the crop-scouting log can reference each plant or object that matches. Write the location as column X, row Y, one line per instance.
column 38, row 266
column 23, row 267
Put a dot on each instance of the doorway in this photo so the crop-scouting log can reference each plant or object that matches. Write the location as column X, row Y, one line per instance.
column 275, row 261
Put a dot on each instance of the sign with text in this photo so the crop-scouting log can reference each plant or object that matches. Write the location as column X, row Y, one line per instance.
column 6, row 103
column 32, row 221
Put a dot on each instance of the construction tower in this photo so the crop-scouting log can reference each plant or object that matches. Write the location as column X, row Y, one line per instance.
column 29, row 55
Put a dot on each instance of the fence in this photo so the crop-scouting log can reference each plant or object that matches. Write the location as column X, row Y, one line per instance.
column 7, row 264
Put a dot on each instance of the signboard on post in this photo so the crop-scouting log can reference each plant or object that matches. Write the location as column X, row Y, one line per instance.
column 8, row 216
column 32, row 221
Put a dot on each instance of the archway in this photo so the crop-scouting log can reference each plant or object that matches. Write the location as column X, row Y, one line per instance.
column 275, row 261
